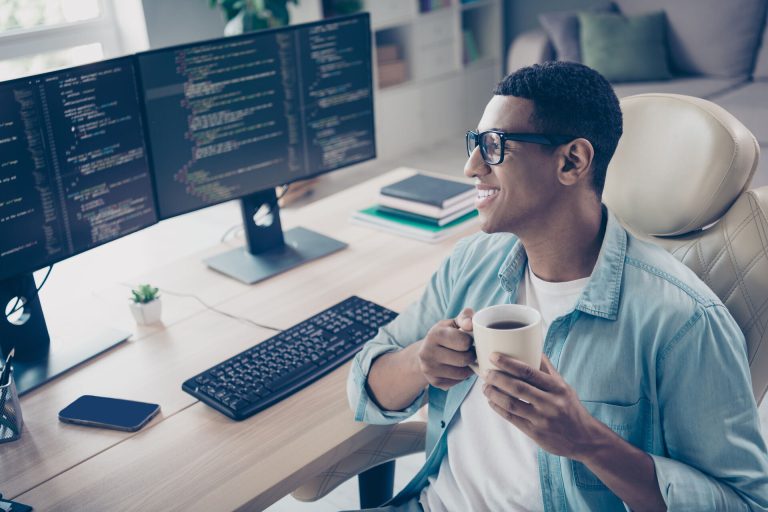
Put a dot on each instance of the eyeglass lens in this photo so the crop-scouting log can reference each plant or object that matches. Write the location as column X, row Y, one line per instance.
column 491, row 147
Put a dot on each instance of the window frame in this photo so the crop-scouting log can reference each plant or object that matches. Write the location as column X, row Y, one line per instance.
column 104, row 30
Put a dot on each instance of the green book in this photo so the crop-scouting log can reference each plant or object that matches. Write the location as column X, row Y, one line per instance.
column 423, row 218
column 425, row 231
column 470, row 46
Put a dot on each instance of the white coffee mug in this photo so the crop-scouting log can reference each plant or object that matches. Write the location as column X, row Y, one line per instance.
column 524, row 343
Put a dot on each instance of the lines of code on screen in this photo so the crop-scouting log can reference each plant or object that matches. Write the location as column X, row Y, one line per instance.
column 231, row 117
column 73, row 166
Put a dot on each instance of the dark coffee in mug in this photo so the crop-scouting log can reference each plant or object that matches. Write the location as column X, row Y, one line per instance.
column 507, row 324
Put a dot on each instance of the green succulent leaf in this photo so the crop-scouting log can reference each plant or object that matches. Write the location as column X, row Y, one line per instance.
column 144, row 293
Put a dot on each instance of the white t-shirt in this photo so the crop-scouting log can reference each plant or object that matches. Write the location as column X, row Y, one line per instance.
column 490, row 464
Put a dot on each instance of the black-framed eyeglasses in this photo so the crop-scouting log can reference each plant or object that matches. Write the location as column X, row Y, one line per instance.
column 492, row 142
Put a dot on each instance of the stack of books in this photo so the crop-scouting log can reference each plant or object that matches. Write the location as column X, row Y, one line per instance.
column 423, row 207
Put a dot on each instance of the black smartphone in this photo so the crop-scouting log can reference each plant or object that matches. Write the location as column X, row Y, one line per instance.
column 115, row 413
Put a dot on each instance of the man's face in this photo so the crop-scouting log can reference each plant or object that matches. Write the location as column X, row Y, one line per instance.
column 513, row 196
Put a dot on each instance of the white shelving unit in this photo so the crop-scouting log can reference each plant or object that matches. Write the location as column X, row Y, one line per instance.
column 444, row 91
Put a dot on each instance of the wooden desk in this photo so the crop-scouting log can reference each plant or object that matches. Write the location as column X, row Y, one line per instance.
column 191, row 457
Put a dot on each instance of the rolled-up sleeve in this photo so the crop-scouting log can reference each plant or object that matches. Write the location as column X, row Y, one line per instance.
column 409, row 327
column 717, row 456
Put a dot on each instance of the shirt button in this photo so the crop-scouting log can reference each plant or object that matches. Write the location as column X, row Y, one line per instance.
column 442, row 424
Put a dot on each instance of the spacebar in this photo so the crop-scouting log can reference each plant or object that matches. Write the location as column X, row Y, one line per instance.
column 289, row 379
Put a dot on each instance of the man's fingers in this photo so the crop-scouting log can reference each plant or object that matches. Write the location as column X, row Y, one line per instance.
column 450, row 357
column 445, row 371
column 523, row 424
column 444, row 384
column 508, row 403
column 464, row 320
column 516, row 388
column 452, row 338
column 519, row 369
column 547, row 366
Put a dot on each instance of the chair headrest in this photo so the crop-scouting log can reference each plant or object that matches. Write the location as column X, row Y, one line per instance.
column 680, row 164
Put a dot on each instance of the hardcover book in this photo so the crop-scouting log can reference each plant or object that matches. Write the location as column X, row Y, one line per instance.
column 426, row 232
column 430, row 190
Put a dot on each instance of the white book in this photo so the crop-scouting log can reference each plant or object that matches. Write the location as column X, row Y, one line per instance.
column 432, row 238
column 426, row 209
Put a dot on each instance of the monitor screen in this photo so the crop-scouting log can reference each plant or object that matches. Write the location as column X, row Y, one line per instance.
column 74, row 171
column 231, row 117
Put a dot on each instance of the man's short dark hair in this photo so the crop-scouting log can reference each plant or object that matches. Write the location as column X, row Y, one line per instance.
column 570, row 99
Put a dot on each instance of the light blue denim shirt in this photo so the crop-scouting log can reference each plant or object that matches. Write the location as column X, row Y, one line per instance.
column 650, row 350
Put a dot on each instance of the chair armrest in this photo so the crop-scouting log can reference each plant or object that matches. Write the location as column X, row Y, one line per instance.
column 531, row 47
column 403, row 439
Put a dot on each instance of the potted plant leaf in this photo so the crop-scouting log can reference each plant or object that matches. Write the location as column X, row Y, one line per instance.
column 145, row 304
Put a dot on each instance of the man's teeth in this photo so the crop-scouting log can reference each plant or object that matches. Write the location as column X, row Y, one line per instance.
column 482, row 194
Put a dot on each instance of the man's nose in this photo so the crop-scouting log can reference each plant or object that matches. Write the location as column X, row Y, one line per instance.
column 475, row 165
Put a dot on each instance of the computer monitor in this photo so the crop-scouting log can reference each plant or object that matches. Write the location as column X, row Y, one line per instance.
column 233, row 118
column 74, row 174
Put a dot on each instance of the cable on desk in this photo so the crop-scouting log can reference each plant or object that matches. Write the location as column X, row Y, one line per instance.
column 239, row 226
column 17, row 306
column 215, row 310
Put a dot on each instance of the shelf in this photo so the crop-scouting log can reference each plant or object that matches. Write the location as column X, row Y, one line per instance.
column 480, row 40
column 393, row 56
column 428, row 89
column 391, row 13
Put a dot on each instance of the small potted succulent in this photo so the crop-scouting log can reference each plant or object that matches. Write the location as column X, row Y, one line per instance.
column 145, row 304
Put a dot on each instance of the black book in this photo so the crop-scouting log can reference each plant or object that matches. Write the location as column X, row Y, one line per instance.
column 438, row 192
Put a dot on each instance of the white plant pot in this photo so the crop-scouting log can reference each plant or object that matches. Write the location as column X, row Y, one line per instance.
column 148, row 313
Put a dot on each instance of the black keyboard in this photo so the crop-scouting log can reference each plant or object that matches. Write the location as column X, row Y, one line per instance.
column 277, row 367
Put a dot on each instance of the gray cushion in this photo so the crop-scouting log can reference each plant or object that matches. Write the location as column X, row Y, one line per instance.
column 625, row 48
column 749, row 104
column 708, row 37
column 562, row 27
column 761, row 66
column 699, row 87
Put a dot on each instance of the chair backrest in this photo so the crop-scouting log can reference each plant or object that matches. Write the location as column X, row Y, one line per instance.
column 680, row 178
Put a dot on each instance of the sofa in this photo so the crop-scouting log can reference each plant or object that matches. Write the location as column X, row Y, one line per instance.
column 716, row 50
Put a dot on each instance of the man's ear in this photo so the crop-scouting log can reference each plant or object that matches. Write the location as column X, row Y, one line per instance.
column 575, row 161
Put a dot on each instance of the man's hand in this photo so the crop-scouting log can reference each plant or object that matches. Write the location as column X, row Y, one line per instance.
column 446, row 351
column 547, row 409
column 542, row 405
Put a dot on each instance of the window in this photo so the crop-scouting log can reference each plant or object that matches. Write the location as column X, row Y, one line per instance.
column 43, row 35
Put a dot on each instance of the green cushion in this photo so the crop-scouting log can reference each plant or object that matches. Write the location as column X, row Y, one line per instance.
column 625, row 49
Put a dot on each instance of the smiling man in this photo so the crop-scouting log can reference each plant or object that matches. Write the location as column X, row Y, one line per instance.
column 642, row 399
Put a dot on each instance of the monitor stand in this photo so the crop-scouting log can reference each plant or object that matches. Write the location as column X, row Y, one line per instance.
column 36, row 360
column 269, row 251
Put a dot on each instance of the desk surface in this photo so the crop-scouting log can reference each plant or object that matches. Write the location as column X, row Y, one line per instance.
column 191, row 457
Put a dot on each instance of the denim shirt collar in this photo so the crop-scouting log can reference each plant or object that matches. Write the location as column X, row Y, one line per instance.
column 601, row 294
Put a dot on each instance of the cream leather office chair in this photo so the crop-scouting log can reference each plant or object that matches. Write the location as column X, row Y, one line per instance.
column 679, row 178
